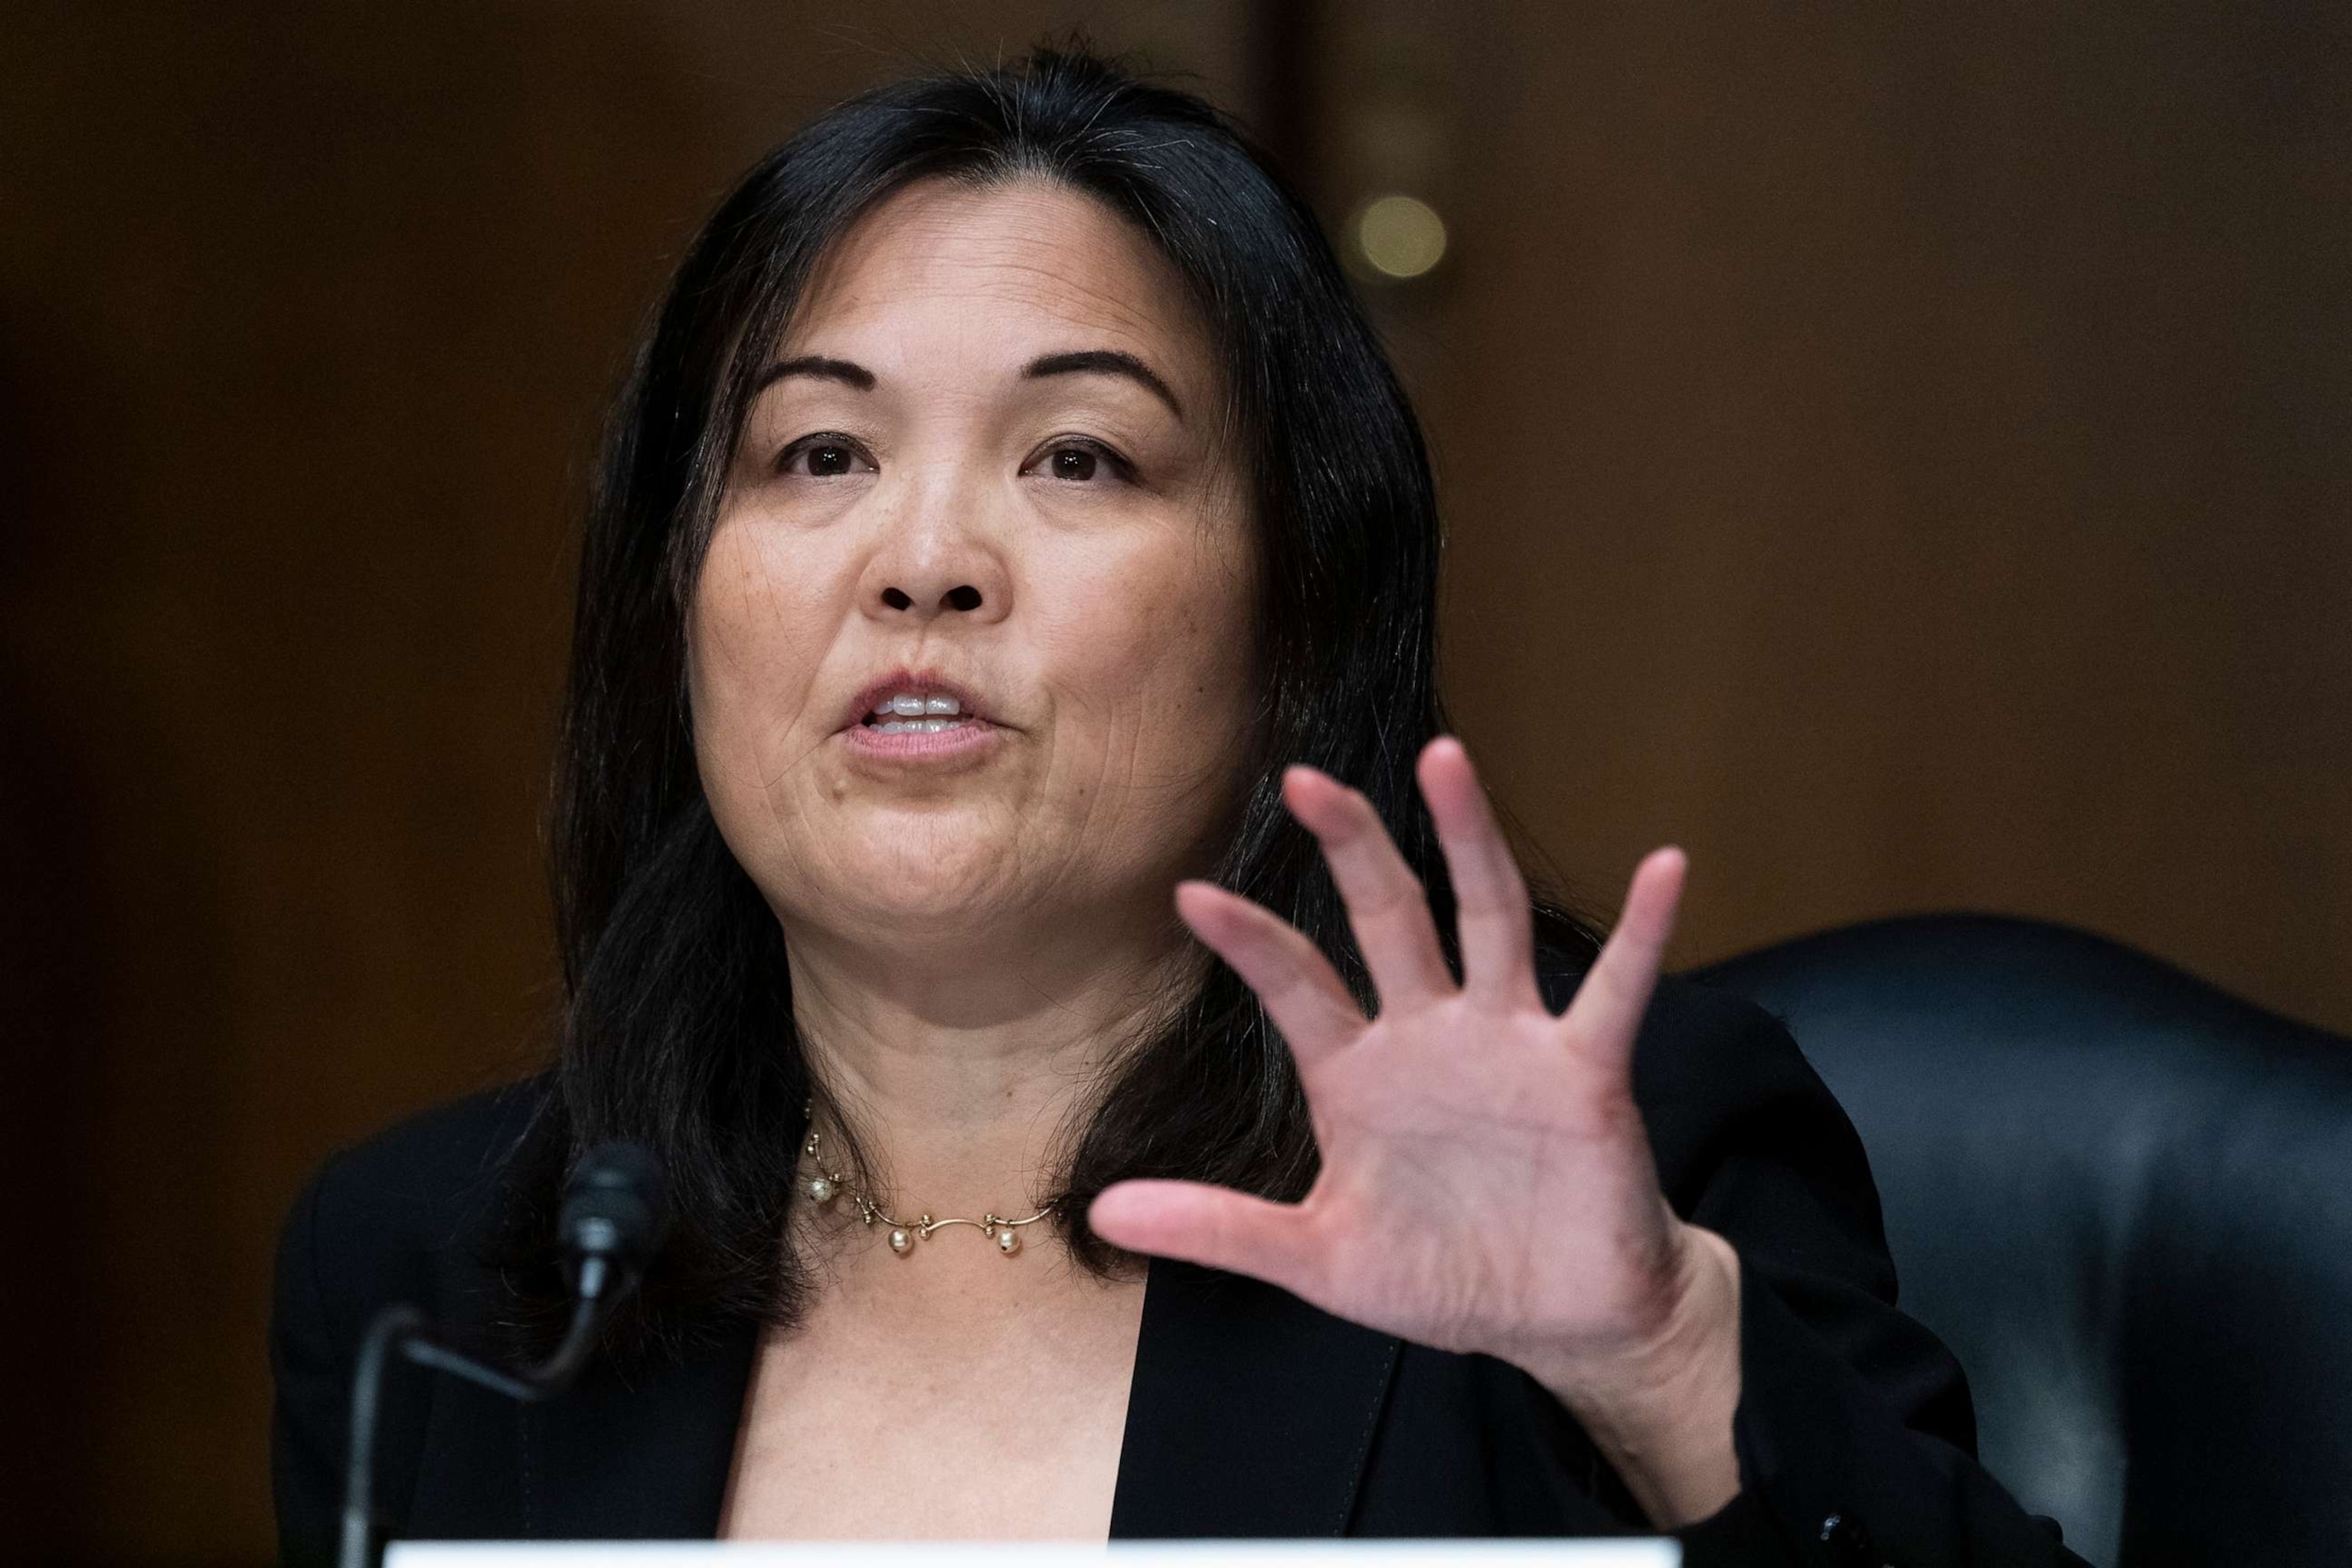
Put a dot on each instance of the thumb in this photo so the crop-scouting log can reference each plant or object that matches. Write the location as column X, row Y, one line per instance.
column 1212, row 1226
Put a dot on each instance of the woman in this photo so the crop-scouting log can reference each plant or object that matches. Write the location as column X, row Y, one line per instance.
column 1013, row 530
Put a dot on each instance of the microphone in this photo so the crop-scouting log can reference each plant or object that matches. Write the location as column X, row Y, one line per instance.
column 615, row 1218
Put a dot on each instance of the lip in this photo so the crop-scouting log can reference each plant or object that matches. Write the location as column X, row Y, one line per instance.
column 919, row 681
column 978, row 732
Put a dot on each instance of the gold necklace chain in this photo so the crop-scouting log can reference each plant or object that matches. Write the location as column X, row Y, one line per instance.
column 825, row 1185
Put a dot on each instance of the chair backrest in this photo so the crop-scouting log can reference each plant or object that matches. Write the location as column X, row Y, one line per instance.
column 2123, row 1198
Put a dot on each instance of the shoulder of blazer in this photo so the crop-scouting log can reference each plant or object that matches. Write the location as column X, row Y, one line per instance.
column 414, row 1211
column 411, row 1215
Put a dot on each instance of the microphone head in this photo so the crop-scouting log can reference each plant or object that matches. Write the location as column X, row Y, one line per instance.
column 616, row 1206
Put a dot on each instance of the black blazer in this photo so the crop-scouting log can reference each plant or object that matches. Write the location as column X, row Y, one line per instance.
column 1251, row 1413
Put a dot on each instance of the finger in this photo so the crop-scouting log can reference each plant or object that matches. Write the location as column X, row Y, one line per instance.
column 1302, row 993
column 1490, row 897
column 1606, row 1012
column 1387, row 907
column 1212, row 1226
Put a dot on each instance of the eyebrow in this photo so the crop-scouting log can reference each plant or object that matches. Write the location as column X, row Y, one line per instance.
column 847, row 371
column 1078, row 362
column 1106, row 362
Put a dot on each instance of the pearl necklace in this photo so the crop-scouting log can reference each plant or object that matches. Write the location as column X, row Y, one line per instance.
column 824, row 1187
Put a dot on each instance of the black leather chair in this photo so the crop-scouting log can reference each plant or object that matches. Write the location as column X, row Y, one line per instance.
column 2125, row 1200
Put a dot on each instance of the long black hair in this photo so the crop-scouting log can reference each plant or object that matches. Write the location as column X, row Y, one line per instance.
column 677, row 1031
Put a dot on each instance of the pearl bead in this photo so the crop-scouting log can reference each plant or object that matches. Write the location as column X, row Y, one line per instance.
column 1008, row 1240
column 901, row 1242
column 821, row 1190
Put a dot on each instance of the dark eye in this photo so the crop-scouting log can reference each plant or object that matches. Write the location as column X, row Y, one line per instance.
column 1082, row 460
column 823, row 457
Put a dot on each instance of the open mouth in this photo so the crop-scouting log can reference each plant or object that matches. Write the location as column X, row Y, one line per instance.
column 917, row 713
column 919, row 716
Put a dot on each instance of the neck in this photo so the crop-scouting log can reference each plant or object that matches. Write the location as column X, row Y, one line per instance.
column 957, row 1071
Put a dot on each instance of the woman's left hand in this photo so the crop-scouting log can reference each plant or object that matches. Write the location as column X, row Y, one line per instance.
column 1486, row 1182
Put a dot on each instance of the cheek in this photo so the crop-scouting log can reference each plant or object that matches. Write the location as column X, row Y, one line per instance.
column 1160, row 648
column 754, row 642
column 1213, row 625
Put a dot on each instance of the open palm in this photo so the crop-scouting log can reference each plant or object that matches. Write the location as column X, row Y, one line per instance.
column 1487, row 1183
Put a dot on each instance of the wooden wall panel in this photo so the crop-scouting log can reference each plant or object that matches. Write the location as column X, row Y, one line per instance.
column 1906, row 460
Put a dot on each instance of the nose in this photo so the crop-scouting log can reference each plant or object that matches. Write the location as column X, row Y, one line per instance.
column 937, row 560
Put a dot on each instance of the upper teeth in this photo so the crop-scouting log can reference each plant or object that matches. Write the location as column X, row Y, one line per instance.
column 908, row 706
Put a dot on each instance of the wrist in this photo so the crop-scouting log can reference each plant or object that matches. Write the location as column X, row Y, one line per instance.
column 1660, row 1407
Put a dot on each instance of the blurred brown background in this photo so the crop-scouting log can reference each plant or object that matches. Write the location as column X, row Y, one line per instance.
column 1905, row 459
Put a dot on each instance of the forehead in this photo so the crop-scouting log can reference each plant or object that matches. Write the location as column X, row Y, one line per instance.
column 944, row 263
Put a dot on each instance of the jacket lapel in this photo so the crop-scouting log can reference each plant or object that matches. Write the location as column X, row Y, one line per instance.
column 643, row 1456
column 1251, row 1414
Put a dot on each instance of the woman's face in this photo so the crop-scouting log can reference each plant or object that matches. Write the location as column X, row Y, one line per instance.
column 982, row 488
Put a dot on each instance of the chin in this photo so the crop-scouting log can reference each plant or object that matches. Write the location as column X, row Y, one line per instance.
column 912, row 877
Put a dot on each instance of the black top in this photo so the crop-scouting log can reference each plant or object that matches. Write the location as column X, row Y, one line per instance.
column 1251, row 1413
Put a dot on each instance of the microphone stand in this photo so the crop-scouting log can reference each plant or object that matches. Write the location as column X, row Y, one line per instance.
column 614, row 1215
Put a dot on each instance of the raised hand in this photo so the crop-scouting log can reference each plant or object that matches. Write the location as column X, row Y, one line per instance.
column 1486, row 1182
